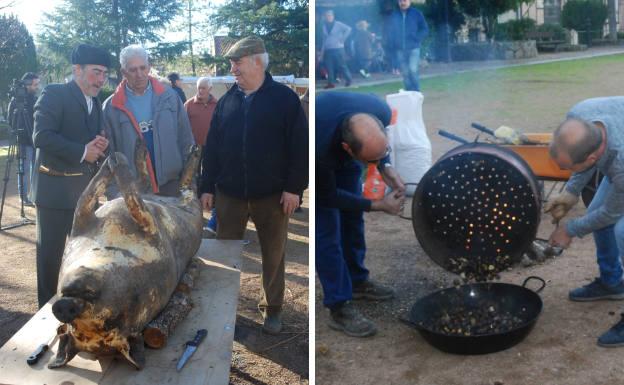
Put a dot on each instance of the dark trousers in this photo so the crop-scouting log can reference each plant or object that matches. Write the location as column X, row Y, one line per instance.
column 335, row 62
column 272, row 225
column 340, row 244
column 53, row 228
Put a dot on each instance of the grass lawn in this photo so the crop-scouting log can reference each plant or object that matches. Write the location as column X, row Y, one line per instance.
column 532, row 97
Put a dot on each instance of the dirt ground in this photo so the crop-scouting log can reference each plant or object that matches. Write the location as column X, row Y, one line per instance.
column 560, row 350
column 257, row 358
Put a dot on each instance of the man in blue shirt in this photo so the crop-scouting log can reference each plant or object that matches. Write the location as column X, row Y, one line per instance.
column 349, row 132
column 405, row 29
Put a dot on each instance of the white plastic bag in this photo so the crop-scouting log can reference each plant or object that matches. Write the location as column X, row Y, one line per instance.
column 411, row 148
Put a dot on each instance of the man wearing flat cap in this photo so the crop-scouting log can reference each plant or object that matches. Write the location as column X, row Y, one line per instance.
column 69, row 142
column 255, row 164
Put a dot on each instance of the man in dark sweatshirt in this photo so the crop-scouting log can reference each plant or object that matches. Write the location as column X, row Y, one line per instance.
column 350, row 130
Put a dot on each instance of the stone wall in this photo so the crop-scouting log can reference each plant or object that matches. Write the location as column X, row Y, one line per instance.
column 505, row 50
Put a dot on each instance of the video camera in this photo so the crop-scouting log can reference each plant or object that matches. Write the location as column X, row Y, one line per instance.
column 19, row 121
column 18, row 91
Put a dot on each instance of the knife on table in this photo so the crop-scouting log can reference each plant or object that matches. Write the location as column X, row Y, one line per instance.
column 40, row 351
column 191, row 346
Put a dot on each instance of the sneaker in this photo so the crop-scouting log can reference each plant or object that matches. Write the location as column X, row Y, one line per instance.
column 211, row 230
column 29, row 203
column 614, row 337
column 329, row 85
column 363, row 73
column 347, row 319
column 373, row 291
column 597, row 291
column 272, row 323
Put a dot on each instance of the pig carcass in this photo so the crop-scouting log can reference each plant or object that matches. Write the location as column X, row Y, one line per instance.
column 123, row 259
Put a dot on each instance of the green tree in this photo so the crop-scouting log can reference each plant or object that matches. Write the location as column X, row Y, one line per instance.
column 283, row 25
column 444, row 18
column 584, row 16
column 17, row 53
column 489, row 10
column 110, row 24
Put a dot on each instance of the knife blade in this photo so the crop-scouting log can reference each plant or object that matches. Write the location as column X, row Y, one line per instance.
column 191, row 346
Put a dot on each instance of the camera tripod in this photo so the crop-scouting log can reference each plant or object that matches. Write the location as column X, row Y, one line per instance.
column 15, row 152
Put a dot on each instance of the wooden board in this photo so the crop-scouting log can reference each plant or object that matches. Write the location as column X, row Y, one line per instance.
column 215, row 299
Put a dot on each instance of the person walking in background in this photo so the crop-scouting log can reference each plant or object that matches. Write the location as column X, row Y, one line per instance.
column 200, row 109
column 176, row 84
column 363, row 47
column 405, row 30
column 335, row 34
column 69, row 142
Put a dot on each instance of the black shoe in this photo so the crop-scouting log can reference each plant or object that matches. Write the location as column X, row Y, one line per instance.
column 373, row 291
column 329, row 85
column 347, row 319
column 348, row 83
column 614, row 337
column 272, row 323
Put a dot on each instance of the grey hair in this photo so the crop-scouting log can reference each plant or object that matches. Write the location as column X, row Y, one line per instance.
column 132, row 51
column 204, row 79
column 580, row 150
column 264, row 59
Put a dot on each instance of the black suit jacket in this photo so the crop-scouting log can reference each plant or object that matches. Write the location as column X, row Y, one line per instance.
column 62, row 128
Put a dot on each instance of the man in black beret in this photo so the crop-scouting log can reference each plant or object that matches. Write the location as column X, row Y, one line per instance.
column 69, row 142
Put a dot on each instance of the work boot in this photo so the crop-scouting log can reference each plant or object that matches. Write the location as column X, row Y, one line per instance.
column 347, row 319
column 372, row 290
column 272, row 322
column 596, row 291
column 614, row 337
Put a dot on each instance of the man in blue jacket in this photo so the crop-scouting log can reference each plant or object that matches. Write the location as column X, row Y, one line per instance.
column 405, row 29
column 255, row 164
column 349, row 132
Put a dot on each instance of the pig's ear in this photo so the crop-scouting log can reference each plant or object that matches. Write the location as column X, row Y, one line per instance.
column 87, row 204
column 190, row 168
column 125, row 182
column 140, row 163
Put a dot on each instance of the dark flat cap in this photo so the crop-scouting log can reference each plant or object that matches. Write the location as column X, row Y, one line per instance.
column 89, row 54
column 173, row 77
column 250, row 45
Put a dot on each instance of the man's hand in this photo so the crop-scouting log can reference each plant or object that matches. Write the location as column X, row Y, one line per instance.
column 94, row 151
column 101, row 141
column 289, row 202
column 391, row 203
column 207, row 201
column 560, row 237
column 393, row 179
column 559, row 206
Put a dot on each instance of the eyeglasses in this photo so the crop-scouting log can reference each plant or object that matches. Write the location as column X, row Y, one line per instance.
column 386, row 154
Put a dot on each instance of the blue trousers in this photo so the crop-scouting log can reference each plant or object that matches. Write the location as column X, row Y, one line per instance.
column 335, row 62
column 408, row 63
column 340, row 244
column 28, row 159
column 609, row 240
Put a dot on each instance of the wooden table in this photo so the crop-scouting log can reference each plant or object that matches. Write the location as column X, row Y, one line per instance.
column 215, row 298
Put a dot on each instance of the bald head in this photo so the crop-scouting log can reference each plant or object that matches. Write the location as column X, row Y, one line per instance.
column 576, row 140
column 364, row 137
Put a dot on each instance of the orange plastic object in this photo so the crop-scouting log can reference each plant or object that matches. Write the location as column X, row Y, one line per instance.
column 374, row 186
column 395, row 114
column 536, row 155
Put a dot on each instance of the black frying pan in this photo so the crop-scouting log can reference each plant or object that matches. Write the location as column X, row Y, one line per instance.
column 519, row 300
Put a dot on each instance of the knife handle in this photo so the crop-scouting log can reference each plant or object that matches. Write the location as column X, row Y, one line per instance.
column 34, row 358
column 201, row 334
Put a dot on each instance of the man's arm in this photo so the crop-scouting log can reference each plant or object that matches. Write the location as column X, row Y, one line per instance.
column 47, row 136
column 210, row 165
column 185, row 134
column 296, row 147
column 423, row 28
column 328, row 195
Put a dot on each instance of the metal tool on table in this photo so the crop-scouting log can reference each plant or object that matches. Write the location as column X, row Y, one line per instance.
column 40, row 351
column 191, row 346
column 506, row 134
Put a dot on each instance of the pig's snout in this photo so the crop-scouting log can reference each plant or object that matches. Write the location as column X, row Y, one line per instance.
column 68, row 308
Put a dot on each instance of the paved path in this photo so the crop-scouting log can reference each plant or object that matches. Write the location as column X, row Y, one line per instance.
column 440, row 69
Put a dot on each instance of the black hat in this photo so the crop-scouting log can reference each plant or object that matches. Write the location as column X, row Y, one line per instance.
column 89, row 54
column 173, row 77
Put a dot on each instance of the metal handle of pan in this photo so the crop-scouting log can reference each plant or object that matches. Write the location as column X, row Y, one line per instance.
column 454, row 137
column 402, row 216
column 482, row 128
column 537, row 279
